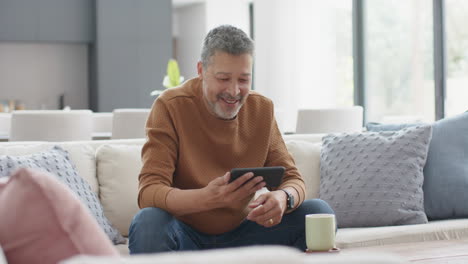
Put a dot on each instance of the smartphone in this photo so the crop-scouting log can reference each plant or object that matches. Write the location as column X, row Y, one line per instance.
column 271, row 175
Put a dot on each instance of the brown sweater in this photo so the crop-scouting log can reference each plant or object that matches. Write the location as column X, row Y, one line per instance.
column 187, row 147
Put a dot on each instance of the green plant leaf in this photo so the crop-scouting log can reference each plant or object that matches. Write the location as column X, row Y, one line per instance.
column 173, row 73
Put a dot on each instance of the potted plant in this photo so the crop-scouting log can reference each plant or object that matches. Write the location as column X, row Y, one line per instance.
column 172, row 79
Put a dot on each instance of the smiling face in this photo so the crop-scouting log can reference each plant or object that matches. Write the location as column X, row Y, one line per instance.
column 226, row 83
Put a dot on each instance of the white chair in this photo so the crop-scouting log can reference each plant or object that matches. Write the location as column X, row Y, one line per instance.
column 332, row 120
column 102, row 124
column 51, row 125
column 5, row 123
column 129, row 123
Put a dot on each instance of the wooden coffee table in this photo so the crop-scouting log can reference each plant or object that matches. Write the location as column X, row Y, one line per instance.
column 430, row 252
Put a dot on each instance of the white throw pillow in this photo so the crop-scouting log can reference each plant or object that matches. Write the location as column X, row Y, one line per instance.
column 84, row 158
column 307, row 158
column 118, row 167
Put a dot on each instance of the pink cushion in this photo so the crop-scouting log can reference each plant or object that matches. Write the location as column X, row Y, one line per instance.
column 43, row 222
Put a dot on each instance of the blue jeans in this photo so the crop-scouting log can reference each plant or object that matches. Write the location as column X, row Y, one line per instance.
column 155, row 230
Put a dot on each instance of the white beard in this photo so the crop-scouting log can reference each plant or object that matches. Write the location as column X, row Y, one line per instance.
column 222, row 114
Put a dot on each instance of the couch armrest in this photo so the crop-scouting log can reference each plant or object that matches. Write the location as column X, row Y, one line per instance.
column 245, row 255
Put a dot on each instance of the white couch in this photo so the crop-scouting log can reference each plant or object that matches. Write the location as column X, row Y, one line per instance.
column 112, row 167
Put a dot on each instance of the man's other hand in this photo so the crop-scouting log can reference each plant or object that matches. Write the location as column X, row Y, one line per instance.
column 220, row 193
column 268, row 209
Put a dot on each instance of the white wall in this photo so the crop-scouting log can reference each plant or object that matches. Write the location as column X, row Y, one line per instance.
column 192, row 22
column 37, row 74
column 295, row 55
column 190, row 27
column 219, row 12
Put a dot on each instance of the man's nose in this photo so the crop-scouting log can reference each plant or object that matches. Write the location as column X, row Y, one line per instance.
column 233, row 89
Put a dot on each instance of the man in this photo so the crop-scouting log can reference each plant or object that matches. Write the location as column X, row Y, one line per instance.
column 196, row 134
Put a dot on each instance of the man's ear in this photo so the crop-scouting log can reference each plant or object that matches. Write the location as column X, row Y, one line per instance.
column 200, row 70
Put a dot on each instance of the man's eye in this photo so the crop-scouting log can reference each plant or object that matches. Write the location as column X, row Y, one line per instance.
column 243, row 80
column 224, row 79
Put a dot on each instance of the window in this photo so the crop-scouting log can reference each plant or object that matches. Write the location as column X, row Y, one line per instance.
column 457, row 56
column 344, row 52
column 399, row 61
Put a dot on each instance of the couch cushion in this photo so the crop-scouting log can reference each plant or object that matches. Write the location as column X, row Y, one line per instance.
column 118, row 168
column 123, row 249
column 386, row 235
column 375, row 178
column 446, row 169
column 57, row 162
column 82, row 155
column 42, row 221
column 307, row 158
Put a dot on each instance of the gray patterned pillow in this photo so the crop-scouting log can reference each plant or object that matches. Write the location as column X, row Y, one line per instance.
column 57, row 162
column 375, row 178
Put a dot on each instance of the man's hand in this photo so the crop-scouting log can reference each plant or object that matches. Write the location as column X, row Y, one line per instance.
column 221, row 193
column 269, row 209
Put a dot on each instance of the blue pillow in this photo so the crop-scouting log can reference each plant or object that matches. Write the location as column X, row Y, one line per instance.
column 375, row 178
column 446, row 170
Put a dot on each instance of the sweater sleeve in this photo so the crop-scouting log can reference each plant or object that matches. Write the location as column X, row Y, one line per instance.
column 278, row 155
column 159, row 156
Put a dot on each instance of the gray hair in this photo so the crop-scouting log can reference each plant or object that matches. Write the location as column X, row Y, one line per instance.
column 228, row 39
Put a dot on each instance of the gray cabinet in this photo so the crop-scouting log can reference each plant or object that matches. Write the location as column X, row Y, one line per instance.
column 47, row 20
column 18, row 20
